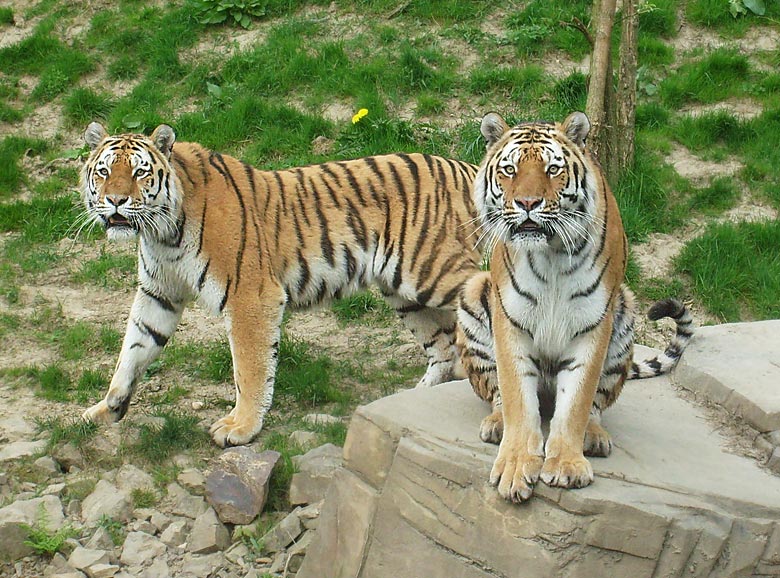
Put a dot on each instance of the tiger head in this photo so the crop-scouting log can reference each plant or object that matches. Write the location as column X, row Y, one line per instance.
column 127, row 185
column 536, row 185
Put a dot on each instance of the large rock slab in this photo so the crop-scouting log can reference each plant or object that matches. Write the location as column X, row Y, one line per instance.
column 737, row 365
column 413, row 498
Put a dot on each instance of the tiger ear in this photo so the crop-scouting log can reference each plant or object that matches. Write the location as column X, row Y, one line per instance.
column 163, row 138
column 492, row 128
column 94, row 134
column 577, row 126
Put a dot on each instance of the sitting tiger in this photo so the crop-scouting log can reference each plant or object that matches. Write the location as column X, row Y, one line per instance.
column 245, row 243
column 550, row 328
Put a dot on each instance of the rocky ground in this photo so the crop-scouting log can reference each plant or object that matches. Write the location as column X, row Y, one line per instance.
column 201, row 526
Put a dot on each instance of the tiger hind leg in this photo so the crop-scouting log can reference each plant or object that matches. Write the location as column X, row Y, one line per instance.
column 598, row 442
column 477, row 354
column 434, row 329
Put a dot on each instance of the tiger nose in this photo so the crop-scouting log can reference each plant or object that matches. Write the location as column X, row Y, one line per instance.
column 529, row 204
column 116, row 200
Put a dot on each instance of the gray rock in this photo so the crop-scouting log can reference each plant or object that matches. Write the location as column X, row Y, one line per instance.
column 208, row 534
column 284, row 533
column 100, row 540
column 237, row 486
column 277, row 566
column 735, row 365
column 85, row 558
column 158, row 569
column 102, row 571
column 202, row 566
column 237, row 552
column 304, row 439
column 297, row 551
column 140, row 547
column 310, row 515
column 15, row 518
column 68, row 456
column 21, row 449
column 320, row 419
column 182, row 503
column 130, row 478
column 773, row 463
column 73, row 574
column 193, row 480
column 315, row 472
column 54, row 490
column 57, row 565
column 15, row 428
column 106, row 500
column 413, row 500
column 159, row 520
column 47, row 466
column 175, row 534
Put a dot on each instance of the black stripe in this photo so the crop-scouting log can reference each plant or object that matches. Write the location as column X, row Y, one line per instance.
column 515, row 285
column 588, row 291
column 214, row 159
column 161, row 301
column 225, row 295
column 202, row 278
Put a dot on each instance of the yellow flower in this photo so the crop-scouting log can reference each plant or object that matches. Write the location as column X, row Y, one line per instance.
column 359, row 114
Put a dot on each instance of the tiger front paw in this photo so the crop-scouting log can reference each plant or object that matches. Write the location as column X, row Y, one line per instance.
column 102, row 413
column 567, row 471
column 515, row 471
column 229, row 431
column 491, row 430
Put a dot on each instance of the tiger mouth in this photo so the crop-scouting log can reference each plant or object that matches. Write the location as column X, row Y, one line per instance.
column 117, row 220
column 527, row 226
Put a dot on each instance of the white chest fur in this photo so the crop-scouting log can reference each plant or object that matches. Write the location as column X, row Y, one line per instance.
column 553, row 303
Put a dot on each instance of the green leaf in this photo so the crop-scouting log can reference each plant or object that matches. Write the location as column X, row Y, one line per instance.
column 755, row 6
column 133, row 121
column 214, row 90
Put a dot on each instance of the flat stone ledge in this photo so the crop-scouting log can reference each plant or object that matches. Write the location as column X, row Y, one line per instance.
column 671, row 501
column 737, row 366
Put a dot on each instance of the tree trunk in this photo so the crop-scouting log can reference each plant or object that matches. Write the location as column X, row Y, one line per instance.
column 600, row 87
column 626, row 91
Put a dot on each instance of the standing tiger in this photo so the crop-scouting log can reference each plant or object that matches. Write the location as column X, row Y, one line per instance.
column 245, row 243
column 550, row 328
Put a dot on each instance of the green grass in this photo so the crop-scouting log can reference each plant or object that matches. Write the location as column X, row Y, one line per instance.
column 143, row 498
column 304, row 376
column 84, row 105
column 12, row 149
column 537, row 27
column 363, row 307
column 721, row 194
column 279, row 486
column 735, row 270
column 179, row 432
column 74, row 431
column 109, row 269
column 6, row 15
column 719, row 75
column 645, row 196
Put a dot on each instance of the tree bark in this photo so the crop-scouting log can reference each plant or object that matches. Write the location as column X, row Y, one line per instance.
column 600, row 86
column 626, row 91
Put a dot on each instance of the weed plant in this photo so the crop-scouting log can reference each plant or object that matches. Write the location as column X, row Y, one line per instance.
column 73, row 431
column 45, row 541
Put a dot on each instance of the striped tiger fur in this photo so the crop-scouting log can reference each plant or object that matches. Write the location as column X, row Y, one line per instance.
column 550, row 328
column 246, row 243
